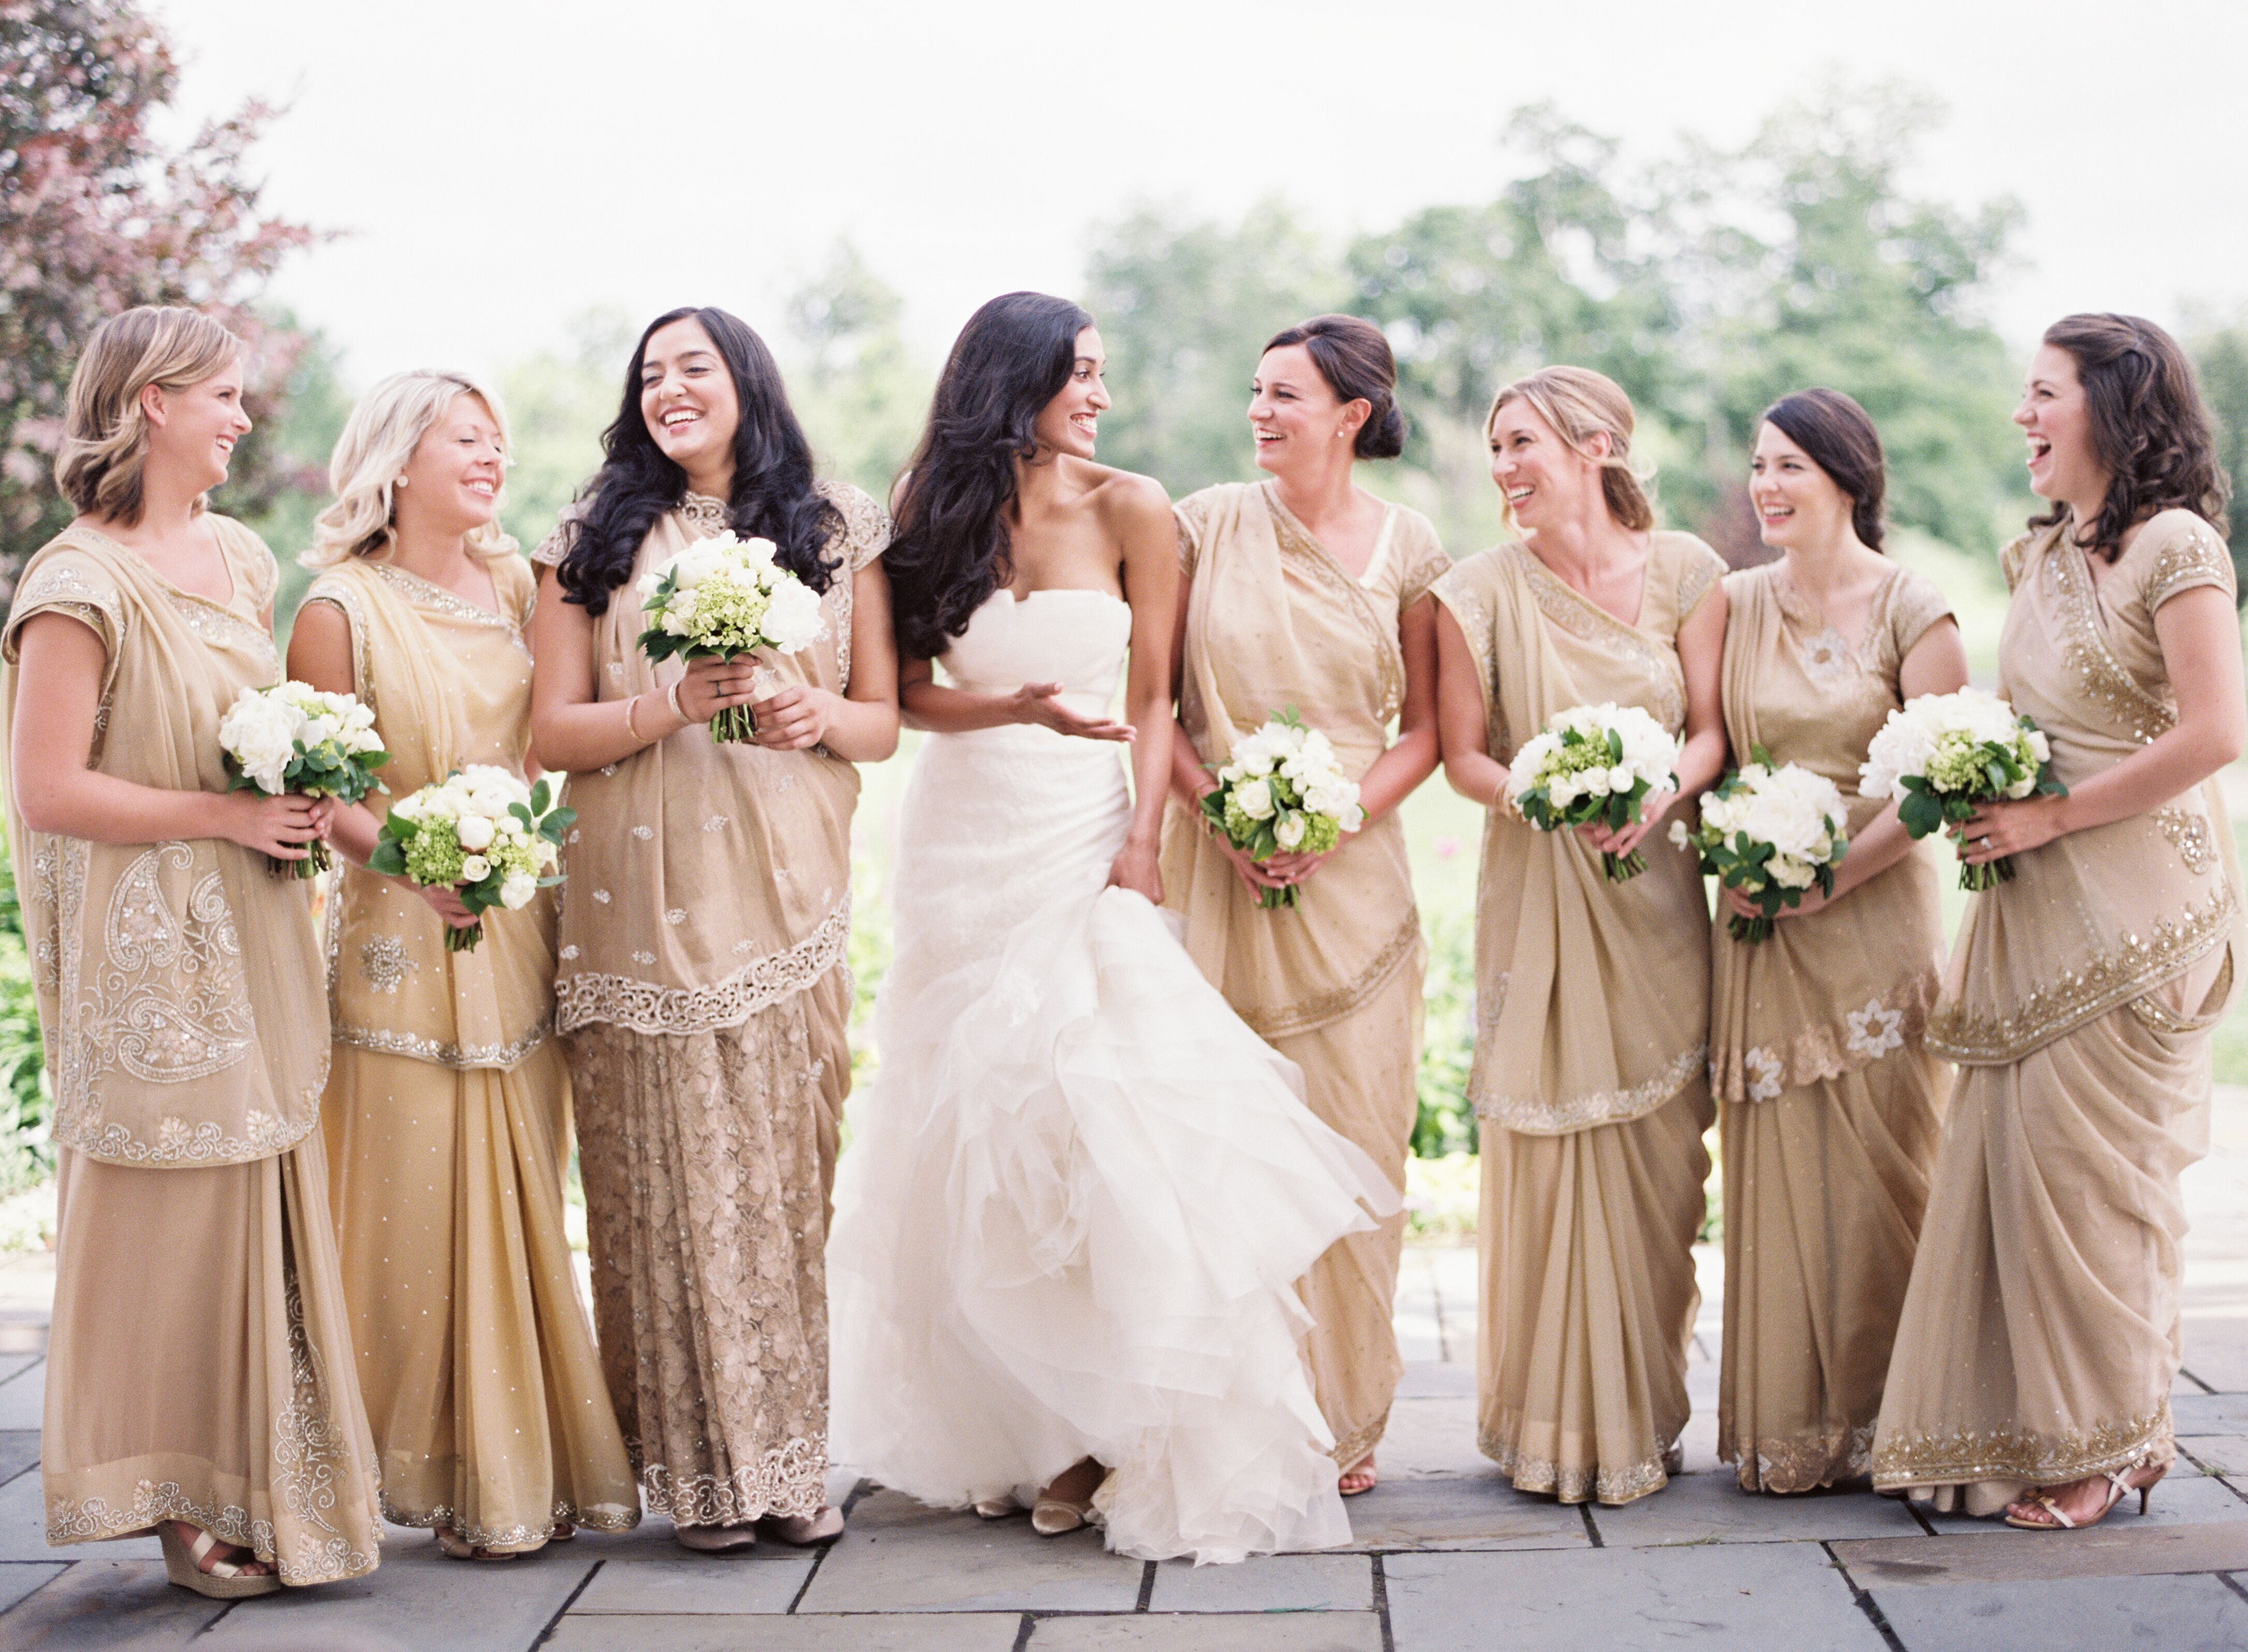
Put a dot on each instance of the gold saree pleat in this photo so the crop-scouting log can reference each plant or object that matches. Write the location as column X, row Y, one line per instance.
column 199, row 1365
column 1588, row 1296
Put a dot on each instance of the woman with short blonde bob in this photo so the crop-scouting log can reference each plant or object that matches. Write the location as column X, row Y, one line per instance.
column 1590, row 1078
column 1829, row 1101
column 2039, row 1336
column 1305, row 591
column 447, row 1115
column 199, row 1377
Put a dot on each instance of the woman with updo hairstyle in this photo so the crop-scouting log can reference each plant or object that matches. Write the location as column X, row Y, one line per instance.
column 1305, row 593
column 1591, row 1075
column 1828, row 1099
column 447, row 1114
column 702, row 996
column 2039, row 1336
column 199, row 1377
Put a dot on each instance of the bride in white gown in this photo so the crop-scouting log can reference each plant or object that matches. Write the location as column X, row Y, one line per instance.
column 1080, row 1191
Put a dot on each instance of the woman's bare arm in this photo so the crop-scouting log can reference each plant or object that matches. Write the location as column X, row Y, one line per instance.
column 59, row 697
column 1462, row 728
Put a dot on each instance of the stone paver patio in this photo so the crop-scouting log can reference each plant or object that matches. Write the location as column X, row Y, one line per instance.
column 1447, row 1556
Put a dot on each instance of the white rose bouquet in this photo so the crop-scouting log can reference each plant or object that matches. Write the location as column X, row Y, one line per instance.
column 294, row 738
column 1283, row 792
column 1771, row 830
column 1594, row 765
column 482, row 831
column 1943, row 756
column 721, row 597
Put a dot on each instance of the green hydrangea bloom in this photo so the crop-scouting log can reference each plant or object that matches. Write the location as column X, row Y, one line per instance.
column 433, row 856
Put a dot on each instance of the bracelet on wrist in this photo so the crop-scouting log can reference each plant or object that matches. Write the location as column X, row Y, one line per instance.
column 631, row 706
column 671, row 698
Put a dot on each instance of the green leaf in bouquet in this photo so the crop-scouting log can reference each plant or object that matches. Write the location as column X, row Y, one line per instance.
column 556, row 822
column 1922, row 812
column 1616, row 746
column 389, row 858
column 541, row 795
column 1758, row 754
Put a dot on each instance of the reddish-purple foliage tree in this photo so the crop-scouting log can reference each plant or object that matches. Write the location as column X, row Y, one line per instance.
column 97, row 213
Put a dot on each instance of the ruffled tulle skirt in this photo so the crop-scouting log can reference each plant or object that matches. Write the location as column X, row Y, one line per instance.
column 1078, row 1198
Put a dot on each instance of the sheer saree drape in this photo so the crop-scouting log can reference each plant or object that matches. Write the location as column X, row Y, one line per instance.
column 2040, row 1337
column 199, row 1361
column 1590, row 1076
column 446, row 1118
column 1828, row 1099
column 1273, row 622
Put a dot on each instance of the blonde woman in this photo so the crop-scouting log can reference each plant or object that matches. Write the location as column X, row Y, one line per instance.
column 704, row 994
column 1307, row 591
column 200, row 1378
column 1590, row 1077
column 1829, row 1101
column 2040, row 1337
column 447, row 1115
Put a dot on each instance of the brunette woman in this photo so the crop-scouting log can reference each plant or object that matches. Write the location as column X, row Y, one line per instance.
column 200, row 1378
column 448, row 1111
column 2039, row 1338
column 702, row 995
column 1590, row 1072
column 1828, row 1099
column 1307, row 591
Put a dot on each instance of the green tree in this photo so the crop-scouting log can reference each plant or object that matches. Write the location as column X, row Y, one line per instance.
column 101, row 210
column 1182, row 306
column 858, row 386
column 559, row 402
column 2221, row 360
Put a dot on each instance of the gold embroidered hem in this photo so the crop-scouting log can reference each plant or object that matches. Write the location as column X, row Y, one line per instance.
column 1322, row 1008
column 2131, row 966
column 1533, row 1115
column 789, row 1479
column 1808, row 1464
column 1886, row 1024
column 1612, row 1486
column 1350, row 1451
column 645, row 1006
column 1964, row 1456
column 516, row 1538
column 440, row 1054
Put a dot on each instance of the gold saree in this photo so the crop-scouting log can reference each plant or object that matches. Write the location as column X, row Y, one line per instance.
column 446, row 1118
column 1334, row 984
column 705, row 1006
column 2040, row 1331
column 1590, row 1076
column 199, row 1362
column 1828, row 1100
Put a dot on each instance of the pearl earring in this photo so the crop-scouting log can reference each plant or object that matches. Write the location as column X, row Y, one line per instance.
column 401, row 482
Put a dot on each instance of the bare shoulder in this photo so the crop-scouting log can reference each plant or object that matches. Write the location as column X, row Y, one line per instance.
column 1125, row 498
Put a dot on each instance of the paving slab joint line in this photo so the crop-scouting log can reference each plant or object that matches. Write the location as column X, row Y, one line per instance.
column 1023, row 1632
column 554, row 1622
column 1921, row 1515
column 1382, row 1605
column 2196, row 1380
column 819, row 1558
column 2233, row 1584
column 1147, row 1585
column 225, row 1609
column 1866, row 1604
column 1591, row 1526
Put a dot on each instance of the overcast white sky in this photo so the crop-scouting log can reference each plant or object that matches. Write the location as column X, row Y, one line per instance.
column 503, row 164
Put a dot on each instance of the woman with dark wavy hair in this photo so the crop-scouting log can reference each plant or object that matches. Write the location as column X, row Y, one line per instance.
column 702, row 997
column 1080, row 1191
column 1305, row 590
column 2040, row 1337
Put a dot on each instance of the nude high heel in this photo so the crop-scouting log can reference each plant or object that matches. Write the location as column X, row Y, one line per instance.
column 2120, row 1485
column 225, row 1580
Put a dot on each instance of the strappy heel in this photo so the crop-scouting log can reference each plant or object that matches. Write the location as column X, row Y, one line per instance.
column 223, row 1580
column 2120, row 1485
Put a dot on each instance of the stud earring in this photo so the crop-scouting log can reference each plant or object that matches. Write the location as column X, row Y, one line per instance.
column 401, row 482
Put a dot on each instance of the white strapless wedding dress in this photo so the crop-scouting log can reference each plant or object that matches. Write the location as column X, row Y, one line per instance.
column 1080, row 1191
